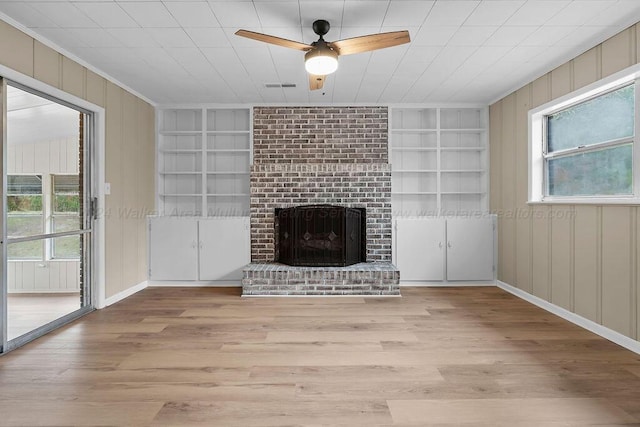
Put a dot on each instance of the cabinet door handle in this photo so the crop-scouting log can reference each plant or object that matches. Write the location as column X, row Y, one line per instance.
column 440, row 245
column 449, row 245
column 193, row 245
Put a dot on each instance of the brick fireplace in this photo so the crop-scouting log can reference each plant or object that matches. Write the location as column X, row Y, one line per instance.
column 321, row 155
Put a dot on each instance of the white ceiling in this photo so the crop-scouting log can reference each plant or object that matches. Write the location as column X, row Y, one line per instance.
column 31, row 118
column 177, row 52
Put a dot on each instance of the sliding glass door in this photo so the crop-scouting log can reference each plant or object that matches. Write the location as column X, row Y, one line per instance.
column 47, row 219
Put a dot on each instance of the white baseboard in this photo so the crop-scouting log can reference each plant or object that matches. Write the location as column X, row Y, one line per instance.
column 423, row 284
column 124, row 294
column 195, row 283
column 42, row 291
column 603, row 331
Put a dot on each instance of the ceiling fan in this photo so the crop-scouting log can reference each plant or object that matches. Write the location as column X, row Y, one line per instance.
column 322, row 56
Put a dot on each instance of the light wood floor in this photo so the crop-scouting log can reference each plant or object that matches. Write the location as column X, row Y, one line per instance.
column 26, row 312
column 435, row 357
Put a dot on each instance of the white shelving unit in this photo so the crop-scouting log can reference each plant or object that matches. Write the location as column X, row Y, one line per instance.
column 203, row 160
column 439, row 161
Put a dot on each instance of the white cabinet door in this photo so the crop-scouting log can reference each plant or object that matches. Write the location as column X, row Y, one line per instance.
column 420, row 249
column 470, row 248
column 173, row 251
column 224, row 248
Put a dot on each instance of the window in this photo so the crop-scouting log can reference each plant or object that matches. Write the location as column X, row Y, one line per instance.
column 25, row 215
column 28, row 208
column 582, row 146
column 65, row 215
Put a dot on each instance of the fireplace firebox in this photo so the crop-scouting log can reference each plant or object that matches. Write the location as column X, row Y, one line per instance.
column 321, row 235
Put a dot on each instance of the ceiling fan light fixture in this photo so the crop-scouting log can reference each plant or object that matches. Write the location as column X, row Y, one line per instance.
column 321, row 61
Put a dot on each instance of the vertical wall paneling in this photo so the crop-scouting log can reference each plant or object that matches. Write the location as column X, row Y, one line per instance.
column 47, row 64
column 495, row 191
column 145, row 199
column 618, row 52
column 508, row 229
column 540, row 252
column 561, row 80
column 73, row 79
column 561, row 262
column 637, row 42
column 113, row 175
column 633, row 249
column 637, row 278
column 586, row 262
column 41, row 277
column 540, row 91
column 96, row 86
column 616, row 268
column 585, row 70
column 38, row 276
column 522, row 210
column 495, row 184
column 16, row 49
column 128, row 214
column 43, row 161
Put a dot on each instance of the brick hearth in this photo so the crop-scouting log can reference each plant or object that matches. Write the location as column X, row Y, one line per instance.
column 367, row 278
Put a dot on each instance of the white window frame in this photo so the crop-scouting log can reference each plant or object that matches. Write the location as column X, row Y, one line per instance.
column 20, row 215
column 537, row 141
column 51, row 217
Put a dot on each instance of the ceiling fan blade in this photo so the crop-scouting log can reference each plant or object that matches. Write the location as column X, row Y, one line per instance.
column 273, row 40
column 370, row 42
column 316, row 82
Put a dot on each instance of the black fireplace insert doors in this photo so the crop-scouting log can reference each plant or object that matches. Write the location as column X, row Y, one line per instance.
column 320, row 235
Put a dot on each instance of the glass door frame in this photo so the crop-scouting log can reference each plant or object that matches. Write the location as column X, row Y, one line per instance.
column 92, row 233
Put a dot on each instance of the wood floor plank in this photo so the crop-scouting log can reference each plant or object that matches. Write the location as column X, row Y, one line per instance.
column 226, row 413
column 61, row 413
column 573, row 411
column 313, row 311
column 340, row 336
column 205, row 356
column 311, row 346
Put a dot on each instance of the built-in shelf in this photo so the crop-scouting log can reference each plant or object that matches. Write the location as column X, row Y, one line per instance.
column 203, row 161
column 415, row 149
column 438, row 158
column 415, row 192
column 226, row 132
column 180, row 173
column 226, row 173
column 181, row 150
column 413, row 130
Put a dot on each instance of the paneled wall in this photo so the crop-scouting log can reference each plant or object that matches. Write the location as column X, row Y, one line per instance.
column 58, row 156
column 583, row 258
column 130, row 151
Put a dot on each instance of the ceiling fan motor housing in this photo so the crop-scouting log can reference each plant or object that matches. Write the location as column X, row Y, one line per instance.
column 321, row 27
